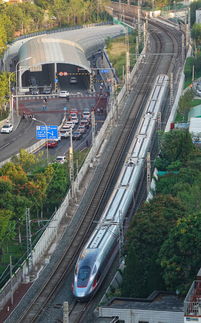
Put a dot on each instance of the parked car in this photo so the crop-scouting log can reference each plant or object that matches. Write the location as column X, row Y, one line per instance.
column 84, row 122
column 64, row 133
column 82, row 129
column 61, row 159
column 51, row 143
column 77, row 135
column 73, row 114
column 73, row 80
column 68, row 125
column 47, row 90
column 34, row 91
column 7, row 128
column 74, row 120
column 64, row 94
column 86, row 115
column 59, row 137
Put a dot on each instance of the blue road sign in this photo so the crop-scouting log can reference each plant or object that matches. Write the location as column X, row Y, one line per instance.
column 49, row 132
column 56, row 80
column 65, row 108
column 104, row 71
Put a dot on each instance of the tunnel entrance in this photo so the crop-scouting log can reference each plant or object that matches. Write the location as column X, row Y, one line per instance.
column 72, row 77
column 68, row 77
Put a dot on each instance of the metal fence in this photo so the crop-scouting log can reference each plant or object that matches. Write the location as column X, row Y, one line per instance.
column 53, row 31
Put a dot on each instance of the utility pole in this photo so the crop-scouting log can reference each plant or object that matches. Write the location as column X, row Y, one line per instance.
column 121, row 236
column 171, row 91
column 193, row 73
column 137, row 48
column 71, row 163
column 182, row 48
column 93, row 128
column 91, row 81
column 138, row 20
column 11, row 279
column 29, row 238
column 120, row 9
column 127, row 61
column 189, row 25
column 145, row 31
column 148, row 171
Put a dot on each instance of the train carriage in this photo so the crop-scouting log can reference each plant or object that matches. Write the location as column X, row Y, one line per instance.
column 94, row 256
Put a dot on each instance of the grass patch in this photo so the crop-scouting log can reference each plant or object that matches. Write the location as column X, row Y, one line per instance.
column 180, row 117
column 117, row 48
column 16, row 251
column 195, row 102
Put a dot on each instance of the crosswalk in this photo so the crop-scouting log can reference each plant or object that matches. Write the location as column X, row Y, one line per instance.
column 55, row 96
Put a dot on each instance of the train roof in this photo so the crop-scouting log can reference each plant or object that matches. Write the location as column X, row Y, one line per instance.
column 108, row 228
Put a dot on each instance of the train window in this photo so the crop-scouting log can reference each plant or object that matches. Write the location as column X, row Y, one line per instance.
column 84, row 273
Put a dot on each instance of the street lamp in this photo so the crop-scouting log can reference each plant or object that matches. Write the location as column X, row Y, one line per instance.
column 22, row 60
column 11, row 97
column 46, row 134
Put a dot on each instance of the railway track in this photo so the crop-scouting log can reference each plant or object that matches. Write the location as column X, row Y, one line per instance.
column 78, row 311
column 106, row 174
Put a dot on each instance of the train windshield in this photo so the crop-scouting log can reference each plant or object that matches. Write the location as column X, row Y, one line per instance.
column 84, row 273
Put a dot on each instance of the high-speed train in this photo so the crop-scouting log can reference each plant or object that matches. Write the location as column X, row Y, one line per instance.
column 98, row 249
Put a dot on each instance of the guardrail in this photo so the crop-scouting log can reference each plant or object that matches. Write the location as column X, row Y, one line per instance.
column 53, row 31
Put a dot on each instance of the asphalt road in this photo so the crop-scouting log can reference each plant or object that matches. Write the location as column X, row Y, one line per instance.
column 51, row 113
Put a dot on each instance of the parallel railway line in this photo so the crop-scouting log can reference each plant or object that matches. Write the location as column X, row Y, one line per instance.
column 110, row 168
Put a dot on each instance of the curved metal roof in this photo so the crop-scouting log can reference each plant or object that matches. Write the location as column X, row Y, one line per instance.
column 67, row 47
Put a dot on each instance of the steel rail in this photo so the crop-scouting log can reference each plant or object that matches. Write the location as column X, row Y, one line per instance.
column 79, row 312
column 51, row 285
column 40, row 300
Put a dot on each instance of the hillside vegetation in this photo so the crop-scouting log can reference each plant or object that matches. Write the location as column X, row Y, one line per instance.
column 164, row 242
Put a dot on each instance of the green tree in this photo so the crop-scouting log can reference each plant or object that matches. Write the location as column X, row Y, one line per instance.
column 27, row 161
column 180, row 255
column 7, row 228
column 15, row 14
column 184, row 103
column 190, row 61
column 56, row 189
column 193, row 7
column 60, row 10
column 148, row 231
column 3, row 35
column 175, row 145
column 196, row 33
column 3, row 92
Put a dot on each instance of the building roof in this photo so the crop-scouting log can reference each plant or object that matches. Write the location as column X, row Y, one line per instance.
column 69, row 47
column 161, row 302
column 159, row 307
